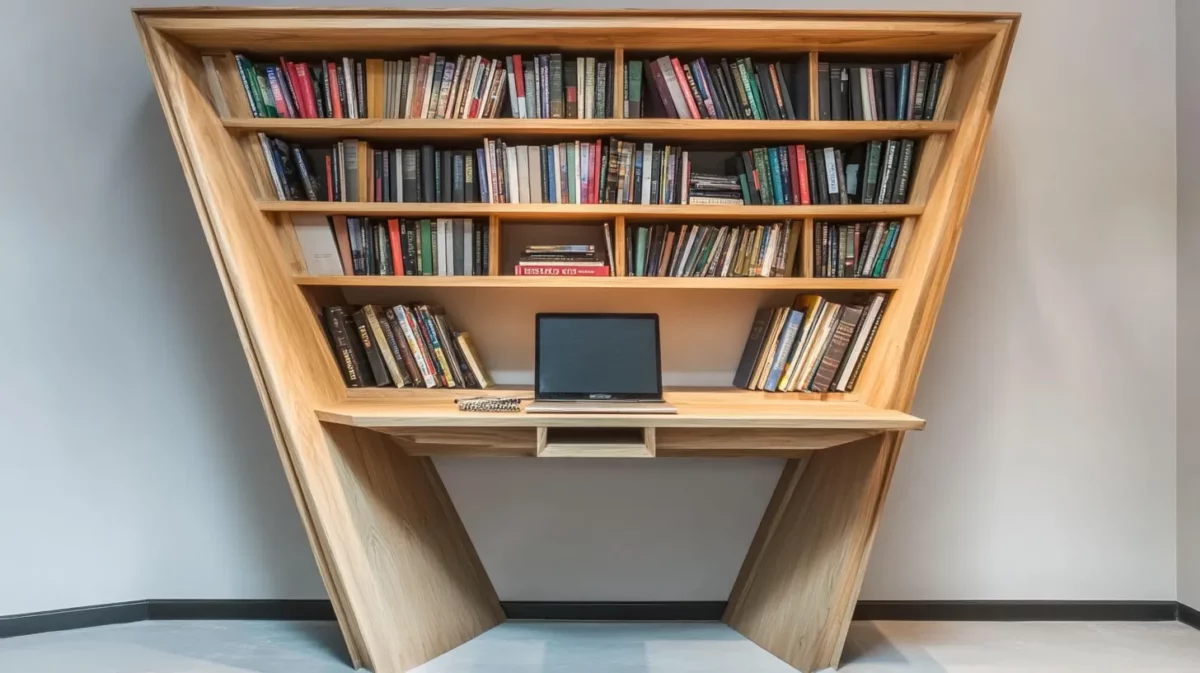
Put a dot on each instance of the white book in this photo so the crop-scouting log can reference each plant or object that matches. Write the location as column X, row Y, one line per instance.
column 410, row 86
column 580, row 64
column 268, row 154
column 831, row 176
column 647, row 165
column 868, row 110
column 517, row 110
column 535, row 173
column 522, row 165
column 214, row 86
column 317, row 242
column 768, row 260
column 492, row 178
column 674, row 87
column 685, row 179
column 736, row 234
column 445, row 248
column 589, row 84
column 398, row 175
column 860, row 340
column 877, row 231
column 578, row 176
column 469, row 247
column 351, row 96
column 466, row 96
column 556, row 189
column 513, row 181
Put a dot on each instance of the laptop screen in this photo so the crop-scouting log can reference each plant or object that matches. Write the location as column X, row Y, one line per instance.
column 597, row 356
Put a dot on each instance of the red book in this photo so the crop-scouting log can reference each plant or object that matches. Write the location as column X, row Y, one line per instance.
column 519, row 80
column 341, row 233
column 307, row 93
column 334, row 93
column 329, row 177
column 597, row 155
column 802, row 164
column 394, row 238
column 561, row 270
column 794, row 173
column 687, row 91
column 289, row 76
column 660, row 86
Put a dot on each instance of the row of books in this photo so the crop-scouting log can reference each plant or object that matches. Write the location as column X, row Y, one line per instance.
column 553, row 87
column 858, row 249
column 365, row 246
column 591, row 172
column 709, row 250
column 814, row 345
column 884, row 91
column 700, row 90
column 402, row 346
column 565, row 260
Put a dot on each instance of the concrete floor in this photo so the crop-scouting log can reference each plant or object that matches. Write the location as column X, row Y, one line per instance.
column 540, row 647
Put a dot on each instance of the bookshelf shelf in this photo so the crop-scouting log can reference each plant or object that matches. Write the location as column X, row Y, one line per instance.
column 685, row 130
column 594, row 212
column 609, row 282
column 398, row 565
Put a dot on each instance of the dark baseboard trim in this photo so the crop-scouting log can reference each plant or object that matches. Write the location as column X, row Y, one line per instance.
column 664, row 611
column 1189, row 616
column 322, row 610
column 1017, row 611
column 72, row 618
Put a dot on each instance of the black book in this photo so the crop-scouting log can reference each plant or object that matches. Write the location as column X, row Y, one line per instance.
column 370, row 243
column 341, row 90
column 470, row 185
column 485, row 253
column 785, row 175
column 787, row 80
column 376, row 189
column 853, row 160
column 824, row 99
column 444, row 181
column 335, row 156
column 320, row 162
column 372, row 350
column 748, row 168
column 326, row 88
column 477, row 247
column 341, row 339
column 320, row 97
column 427, row 174
column 408, row 176
column 458, row 179
column 871, row 169
column 754, row 345
column 889, row 93
column 360, row 88
column 839, row 81
column 887, row 173
column 922, row 88
column 694, row 87
column 767, row 88
column 457, row 232
column 409, row 231
column 907, row 149
column 307, row 178
column 656, row 173
column 856, row 100
column 734, row 85
column 932, row 90
column 720, row 94
column 879, row 110
column 289, row 172
column 816, row 159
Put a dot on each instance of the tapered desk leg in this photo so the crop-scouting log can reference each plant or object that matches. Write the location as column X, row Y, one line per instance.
column 428, row 592
column 796, row 591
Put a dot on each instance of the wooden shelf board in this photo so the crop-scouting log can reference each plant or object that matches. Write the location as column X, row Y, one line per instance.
column 592, row 211
column 717, row 409
column 698, row 130
column 613, row 282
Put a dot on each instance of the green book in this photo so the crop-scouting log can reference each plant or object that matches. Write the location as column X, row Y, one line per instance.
column 250, row 84
column 264, row 90
column 634, row 92
column 639, row 260
column 871, row 177
column 746, row 71
column 885, row 249
column 426, row 249
column 764, row 177
column 572, row 196
column 746, row 199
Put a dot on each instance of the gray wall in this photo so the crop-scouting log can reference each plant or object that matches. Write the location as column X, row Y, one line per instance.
column 134, row 461
column 1187, row 28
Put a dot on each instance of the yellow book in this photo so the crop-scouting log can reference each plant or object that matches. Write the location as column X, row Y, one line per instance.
column 375, row 88
column 467, row 348
column 812, row 305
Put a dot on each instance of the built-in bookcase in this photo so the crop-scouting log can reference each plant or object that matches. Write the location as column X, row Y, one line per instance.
column 401, row 571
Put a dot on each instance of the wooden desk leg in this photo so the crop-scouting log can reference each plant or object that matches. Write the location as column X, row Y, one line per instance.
column 427, row 590
column 796, row 591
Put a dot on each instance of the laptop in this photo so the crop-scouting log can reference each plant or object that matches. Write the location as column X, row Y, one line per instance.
column 598, row 363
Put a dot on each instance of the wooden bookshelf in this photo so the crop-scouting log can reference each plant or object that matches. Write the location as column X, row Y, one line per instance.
column 402, row 573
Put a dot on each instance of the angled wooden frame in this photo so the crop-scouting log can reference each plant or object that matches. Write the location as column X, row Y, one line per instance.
column 403, row 575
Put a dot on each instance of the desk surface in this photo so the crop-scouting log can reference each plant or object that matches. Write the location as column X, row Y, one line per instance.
column 705, row 409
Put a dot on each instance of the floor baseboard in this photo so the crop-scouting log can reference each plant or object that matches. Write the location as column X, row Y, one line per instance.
column 322, row 610
column 1189, row 616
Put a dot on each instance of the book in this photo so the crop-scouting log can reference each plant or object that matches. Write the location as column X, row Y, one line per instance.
column 342, row 337
column 317, row 241
column 753, row 348
column 471, row 358
column 890, row 90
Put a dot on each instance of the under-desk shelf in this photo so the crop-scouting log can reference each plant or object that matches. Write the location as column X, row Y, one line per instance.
column 649, row 129
column 608, row 282
column 571, row 212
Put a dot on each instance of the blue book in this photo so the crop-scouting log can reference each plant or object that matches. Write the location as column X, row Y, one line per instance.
column 902, row 92
column 787, row 341
column 636, row 197
column 776, row 174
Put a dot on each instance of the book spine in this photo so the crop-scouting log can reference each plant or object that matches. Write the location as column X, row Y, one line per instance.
column 374, row 356
column 339, row 337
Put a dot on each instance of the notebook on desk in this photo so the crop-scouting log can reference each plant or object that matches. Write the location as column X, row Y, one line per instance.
column 598, row 363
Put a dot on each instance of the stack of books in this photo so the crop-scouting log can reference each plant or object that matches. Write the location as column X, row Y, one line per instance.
column 549, row 86
column 815, row 345
column 709, row 250
column 564, row 260
column 714, row 189
column 366, row 246
column 699, row 90
column 858, row 249
column 882, row 91
column 421, row 87
column 402, row 346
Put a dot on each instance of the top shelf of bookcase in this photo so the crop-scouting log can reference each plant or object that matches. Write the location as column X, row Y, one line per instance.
column 707, row 130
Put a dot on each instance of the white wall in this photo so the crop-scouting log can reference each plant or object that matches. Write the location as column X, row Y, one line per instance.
column 1047, row 470
column 1187, row 27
